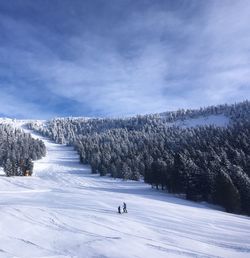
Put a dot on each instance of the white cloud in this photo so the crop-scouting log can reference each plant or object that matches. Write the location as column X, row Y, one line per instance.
column 11, row 106
column 167, row 61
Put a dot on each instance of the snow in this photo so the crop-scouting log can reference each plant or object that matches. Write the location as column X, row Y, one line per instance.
column 1, row 171
column 216, row 120
column 65, row 211
column 18, row 123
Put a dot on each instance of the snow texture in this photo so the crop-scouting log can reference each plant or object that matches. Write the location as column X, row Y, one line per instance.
column 65, row 211
column 216, row 120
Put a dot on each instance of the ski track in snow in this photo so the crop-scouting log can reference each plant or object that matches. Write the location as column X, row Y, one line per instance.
column 65, row 211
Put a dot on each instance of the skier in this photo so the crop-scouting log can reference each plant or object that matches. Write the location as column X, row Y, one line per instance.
column 125, row 208
column 119, row 209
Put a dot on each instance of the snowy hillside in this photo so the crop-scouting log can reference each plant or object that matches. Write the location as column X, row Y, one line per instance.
column 65, row 211
column 18, row 123
column 204, row 163
column 216, row 120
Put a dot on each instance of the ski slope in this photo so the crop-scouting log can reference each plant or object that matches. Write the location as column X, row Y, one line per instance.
column 65, row 211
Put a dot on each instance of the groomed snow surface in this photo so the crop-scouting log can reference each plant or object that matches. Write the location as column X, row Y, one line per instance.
column 65, row 211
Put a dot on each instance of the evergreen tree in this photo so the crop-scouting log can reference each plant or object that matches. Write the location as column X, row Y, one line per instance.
column 226, row 194
column 180, row 159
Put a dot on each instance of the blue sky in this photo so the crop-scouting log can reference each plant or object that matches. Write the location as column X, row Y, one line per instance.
column 121, row 57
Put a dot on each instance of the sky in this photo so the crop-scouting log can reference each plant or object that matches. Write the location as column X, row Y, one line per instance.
column 115, row 58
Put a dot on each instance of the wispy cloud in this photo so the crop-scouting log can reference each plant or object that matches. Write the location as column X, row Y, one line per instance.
column 157, row 57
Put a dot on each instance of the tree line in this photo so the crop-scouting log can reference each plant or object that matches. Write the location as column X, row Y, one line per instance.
column 204, row 163
column 18, row 150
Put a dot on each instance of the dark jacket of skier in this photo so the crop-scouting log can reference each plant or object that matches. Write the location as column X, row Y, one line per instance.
column 125, row 207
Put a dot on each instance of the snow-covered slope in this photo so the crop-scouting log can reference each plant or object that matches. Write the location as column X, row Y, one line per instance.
column 17, row 123
column 216, row 120
column 65, row 211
